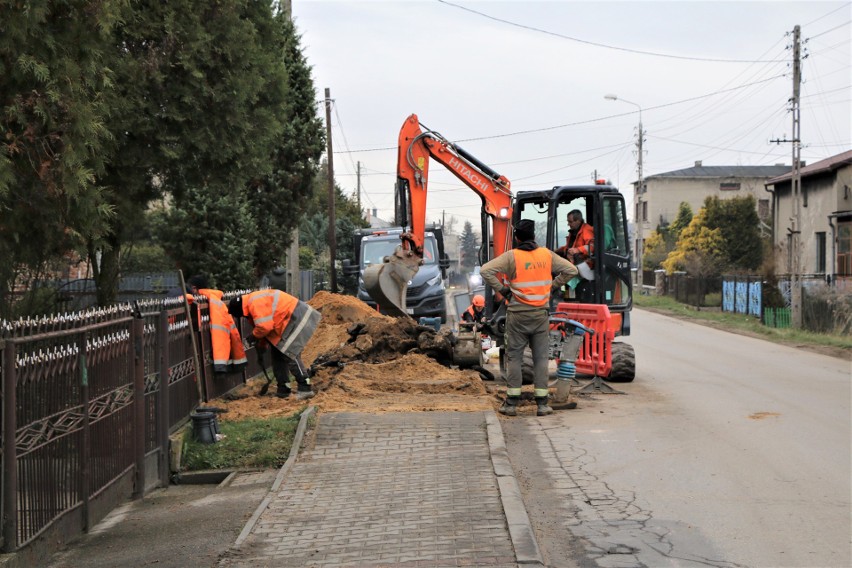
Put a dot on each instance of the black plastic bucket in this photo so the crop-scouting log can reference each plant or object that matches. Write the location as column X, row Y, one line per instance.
column 204, row 427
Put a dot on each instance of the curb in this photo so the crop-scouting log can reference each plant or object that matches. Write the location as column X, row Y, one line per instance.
column 282, row 473
column 527, row 552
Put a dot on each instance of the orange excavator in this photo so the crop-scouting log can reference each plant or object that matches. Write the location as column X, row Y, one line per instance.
column 601, row 302
column 387, row 283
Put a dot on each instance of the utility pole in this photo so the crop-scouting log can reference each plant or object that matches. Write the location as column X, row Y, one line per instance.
column 794, row 231
column 332, row 239
column 359, row 186
column 640, row 242
column 796, row 186
column 640, row 187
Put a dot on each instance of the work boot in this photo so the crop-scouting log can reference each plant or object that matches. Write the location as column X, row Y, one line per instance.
column 543, row 409
column 283, row 392
column 510, row 406
column 304, row 395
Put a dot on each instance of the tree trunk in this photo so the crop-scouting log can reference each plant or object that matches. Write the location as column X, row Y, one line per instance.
column 105, row 272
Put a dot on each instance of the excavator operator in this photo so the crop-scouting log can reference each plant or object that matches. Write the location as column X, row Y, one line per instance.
column 580, row 240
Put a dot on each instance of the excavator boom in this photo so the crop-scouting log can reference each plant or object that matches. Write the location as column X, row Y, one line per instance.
column 387, row 283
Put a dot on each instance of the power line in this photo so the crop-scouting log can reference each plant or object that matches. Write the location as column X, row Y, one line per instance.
column 830, row 13
column 603, row 45
column 593, row 120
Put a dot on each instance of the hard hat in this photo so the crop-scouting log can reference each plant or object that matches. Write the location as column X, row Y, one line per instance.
column 479, row 301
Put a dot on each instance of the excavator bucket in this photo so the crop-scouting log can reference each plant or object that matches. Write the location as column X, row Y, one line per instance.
column 387, row 283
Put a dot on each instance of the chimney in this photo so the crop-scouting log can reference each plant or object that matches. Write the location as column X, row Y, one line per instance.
column 375, row 212
column 697, row 163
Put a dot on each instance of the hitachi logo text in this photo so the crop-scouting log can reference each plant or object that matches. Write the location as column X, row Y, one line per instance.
column 466, row 172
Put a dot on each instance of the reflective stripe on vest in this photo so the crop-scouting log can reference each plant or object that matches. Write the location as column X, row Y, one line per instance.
column 533, row 278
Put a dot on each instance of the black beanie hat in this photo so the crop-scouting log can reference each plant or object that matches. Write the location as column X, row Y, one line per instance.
column 525, row 230
column 235, row 307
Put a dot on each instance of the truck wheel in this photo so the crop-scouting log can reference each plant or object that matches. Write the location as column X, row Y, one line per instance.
column 623, row 363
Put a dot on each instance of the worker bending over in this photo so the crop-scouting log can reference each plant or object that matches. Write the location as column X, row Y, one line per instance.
column 286, row 323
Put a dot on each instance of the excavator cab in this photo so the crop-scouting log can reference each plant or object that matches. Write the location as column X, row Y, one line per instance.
column 602, row 296
column 605, row 276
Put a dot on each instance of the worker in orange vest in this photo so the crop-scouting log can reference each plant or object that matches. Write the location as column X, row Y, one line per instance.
column 228, row 352
column 286, row 324
column 580, row 241
column 476, row 311
column 528, row 272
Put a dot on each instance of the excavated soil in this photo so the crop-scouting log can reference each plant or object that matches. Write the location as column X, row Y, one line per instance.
column 367, row 362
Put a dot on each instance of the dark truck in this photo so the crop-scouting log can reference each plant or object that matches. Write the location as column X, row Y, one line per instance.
column 426, row 294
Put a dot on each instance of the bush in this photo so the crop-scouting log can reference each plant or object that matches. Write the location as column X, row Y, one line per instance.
column 827, row 310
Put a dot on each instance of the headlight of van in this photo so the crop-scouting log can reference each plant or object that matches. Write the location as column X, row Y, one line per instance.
column 434, row 280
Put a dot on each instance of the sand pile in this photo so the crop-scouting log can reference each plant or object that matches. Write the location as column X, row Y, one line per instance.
column 364, row 361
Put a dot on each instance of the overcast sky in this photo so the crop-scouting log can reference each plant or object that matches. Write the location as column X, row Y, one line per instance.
column 521, row 86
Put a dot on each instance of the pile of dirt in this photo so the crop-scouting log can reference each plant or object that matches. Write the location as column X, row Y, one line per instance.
column 364, row 361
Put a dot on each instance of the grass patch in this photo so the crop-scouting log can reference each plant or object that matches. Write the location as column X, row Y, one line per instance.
column 251, row 443
column 742, row 323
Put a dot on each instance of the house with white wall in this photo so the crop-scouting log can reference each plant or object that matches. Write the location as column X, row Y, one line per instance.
column 659, row 200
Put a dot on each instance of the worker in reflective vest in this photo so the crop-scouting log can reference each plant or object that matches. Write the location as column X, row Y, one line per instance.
column 529, row 271
column 580, row 242
column 286, row 324
column 476, row 311
column 228, row 352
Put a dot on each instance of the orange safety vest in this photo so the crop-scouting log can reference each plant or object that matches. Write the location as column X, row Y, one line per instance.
column 270, row 311
column 227, row 346
column 533, row 276
column 472, row 312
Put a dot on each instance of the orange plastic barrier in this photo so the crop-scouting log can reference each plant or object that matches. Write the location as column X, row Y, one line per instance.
column 595, row 356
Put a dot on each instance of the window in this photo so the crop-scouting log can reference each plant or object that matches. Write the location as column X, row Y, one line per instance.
column 644, row 210
column 763, row 208
column 729, row 186
column 820, row 253
column 844, row 247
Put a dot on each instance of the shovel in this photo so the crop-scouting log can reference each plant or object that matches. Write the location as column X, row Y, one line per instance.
column 265, row 388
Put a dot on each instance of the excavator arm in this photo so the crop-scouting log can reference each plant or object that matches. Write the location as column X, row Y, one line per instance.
column 387, row 283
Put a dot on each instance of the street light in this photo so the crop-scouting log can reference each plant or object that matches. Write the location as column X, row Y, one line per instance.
column 639, row 189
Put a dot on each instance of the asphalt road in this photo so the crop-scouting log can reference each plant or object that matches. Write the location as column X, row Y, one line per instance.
column 725, row 451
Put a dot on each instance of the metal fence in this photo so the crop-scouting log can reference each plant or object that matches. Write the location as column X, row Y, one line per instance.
column 88, row 403
column 693, row 290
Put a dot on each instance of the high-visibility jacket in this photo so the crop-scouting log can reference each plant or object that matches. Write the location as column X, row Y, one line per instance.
column 270, row 311
column 470, row 314
column 228, row 348
column 584, row 240
column 533, row 277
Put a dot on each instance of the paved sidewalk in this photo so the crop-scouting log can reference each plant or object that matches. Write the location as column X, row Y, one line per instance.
column 427, row 489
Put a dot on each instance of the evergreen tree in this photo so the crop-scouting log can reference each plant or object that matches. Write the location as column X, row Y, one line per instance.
column 280, row 199
column 212, row 233
column 469, row 247
column 203, row 100
column 53, row 104
column 739, row 224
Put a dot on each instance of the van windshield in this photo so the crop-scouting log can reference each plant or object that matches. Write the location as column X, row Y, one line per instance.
column 374, row 252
